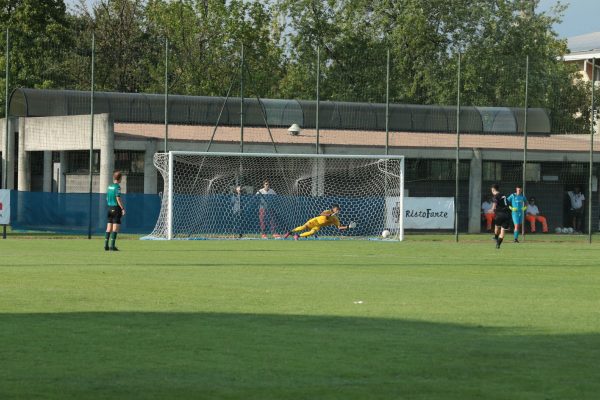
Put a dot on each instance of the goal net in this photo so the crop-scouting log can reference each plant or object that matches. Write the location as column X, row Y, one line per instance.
column 218, row 195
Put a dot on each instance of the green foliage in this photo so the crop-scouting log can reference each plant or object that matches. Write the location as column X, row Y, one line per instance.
column 51, row 48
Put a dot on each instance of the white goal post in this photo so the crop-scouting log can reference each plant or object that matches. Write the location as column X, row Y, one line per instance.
column 217, row 195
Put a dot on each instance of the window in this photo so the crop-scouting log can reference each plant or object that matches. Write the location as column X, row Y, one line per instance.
column 492, row 171
column 436, row 170
column 78, row 162
column 129, row 162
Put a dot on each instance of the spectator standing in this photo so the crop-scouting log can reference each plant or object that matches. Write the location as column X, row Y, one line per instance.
column 265, row 211
column 577, row 208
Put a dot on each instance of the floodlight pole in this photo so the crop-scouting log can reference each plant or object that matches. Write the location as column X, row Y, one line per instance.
column 387, row 104
column 5, row 150
column 591, row 154
column 242, row 102
column 457, row 174
column 525, row 142
column 91, row 164
column 317, row 110
column 166, row 95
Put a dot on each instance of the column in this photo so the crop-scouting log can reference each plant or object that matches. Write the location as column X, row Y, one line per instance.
column 475, row 182
column 318, row 177
column 47, row 172
column 10, row 156
column 150, row 171
column 107, row 154
column 62, row 177
column 24, row 170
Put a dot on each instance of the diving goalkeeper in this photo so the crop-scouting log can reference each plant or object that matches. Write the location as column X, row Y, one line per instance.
column 327, row 218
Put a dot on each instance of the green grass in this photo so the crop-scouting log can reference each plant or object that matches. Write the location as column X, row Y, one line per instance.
column 284, row 320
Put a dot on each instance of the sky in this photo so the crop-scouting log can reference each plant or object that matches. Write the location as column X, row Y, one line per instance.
column 581, row 16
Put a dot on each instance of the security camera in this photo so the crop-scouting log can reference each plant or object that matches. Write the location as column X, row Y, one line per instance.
column 294, row 130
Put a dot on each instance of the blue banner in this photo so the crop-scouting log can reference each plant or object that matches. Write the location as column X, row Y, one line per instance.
column 69, row 212
column 210, row 214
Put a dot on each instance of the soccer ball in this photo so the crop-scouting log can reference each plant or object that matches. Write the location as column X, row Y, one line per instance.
column 571, row 230
column 565, row 230
column 385, row 234
column 558, row 230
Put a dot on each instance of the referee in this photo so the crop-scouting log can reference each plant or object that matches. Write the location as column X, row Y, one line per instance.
column 502, row 213
column 116, row 210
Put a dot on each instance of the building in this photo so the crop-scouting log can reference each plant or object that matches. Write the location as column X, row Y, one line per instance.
column 582, row 50
column 50, row 134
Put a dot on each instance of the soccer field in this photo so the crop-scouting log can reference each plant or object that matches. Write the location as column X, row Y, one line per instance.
column 422, row 319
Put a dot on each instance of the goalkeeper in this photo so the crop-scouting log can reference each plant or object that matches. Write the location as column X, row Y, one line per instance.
column 327, row 218
column 518, row 205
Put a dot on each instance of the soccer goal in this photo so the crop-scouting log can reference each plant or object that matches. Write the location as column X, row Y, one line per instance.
column 219, row 196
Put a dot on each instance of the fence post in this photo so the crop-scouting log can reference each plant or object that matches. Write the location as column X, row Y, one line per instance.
column 166, row 95
column 387, row 104
column 91, row 165
column 317, row 110
column 242, row 102
column 591, row 154
column 5, row 150
column 457, row 173
column 525, row 142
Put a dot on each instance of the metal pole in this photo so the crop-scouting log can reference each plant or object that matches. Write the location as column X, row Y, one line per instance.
column 591, row 154
column 457, row 174
column 166, row 95
column 525, row 142
column 387, row 105
column 242, row 102
column 5, row 154
column 91, row 165
column 5, row 151
column 317, row 111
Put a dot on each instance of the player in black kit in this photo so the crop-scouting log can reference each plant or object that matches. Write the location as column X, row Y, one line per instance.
column 502, row 212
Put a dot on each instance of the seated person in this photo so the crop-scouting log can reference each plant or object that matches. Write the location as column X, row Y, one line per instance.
column 487, row 213
column 533, row 215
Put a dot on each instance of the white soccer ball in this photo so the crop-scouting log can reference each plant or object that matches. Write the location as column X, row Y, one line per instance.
column 571, row 230
column 385, row 234
column 558, row 230
column 565, row 230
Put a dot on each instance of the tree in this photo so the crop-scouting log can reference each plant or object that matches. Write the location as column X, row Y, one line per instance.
column 39, row 35
column 206, row 39
column 124, row 48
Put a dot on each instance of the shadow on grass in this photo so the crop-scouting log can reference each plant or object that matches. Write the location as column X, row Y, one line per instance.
column 239, row 356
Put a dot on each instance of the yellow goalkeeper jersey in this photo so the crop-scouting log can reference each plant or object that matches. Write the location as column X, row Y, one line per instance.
column 325, row 219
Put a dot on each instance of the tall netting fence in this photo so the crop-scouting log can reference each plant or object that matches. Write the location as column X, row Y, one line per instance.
column 304, row 78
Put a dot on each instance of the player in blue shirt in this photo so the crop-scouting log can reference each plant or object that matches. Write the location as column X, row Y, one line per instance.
column 518, row 205
column 116, row 211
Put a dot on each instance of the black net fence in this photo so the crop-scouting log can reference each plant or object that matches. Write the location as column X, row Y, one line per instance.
column 484, row 89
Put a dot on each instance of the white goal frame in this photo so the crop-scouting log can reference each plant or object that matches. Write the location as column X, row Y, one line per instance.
column 173, row 154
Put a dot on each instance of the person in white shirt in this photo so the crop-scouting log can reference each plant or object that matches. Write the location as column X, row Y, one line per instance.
column 487, row 213
column 236, row 209
column 265, row 210
column 533, row 215
column 577, row 207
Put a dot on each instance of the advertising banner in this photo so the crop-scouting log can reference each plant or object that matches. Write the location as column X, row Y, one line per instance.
column 421, row 213
column 4, row 207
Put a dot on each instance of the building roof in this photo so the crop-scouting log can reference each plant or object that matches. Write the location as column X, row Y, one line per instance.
column 203, row 110
column 554, row 143
column 583, row 47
